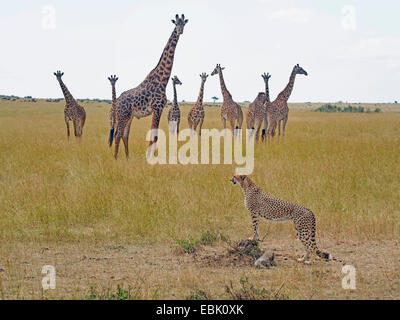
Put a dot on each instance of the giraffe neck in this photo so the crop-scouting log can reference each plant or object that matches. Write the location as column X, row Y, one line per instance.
column 160, row 75
column 175, row 97
column 267, row 91
column 225, row 92
column 114, row 95
column 67, row 95
column 201, row 93
column 285, row 94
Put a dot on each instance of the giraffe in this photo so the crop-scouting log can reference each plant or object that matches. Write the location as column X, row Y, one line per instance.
column 196, row 114
column 174, row 114
column 149, row 97
column 278, row 110
column 113, row 79
column 230, row 110
column 255, row 118
column 266, row 77
column 72, row 111
column 255, row 112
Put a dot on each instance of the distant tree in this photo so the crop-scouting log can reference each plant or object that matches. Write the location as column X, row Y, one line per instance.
column 396, row 102
column 215, row 99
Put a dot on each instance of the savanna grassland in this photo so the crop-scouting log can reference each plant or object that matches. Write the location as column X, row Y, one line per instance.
column 104, row 223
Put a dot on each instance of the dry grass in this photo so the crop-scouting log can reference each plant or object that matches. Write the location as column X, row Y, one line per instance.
column 74, row 196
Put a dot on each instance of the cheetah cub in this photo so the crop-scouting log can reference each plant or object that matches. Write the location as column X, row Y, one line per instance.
column 261, row 204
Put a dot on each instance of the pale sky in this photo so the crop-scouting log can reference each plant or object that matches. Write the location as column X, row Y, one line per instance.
column 351, row 49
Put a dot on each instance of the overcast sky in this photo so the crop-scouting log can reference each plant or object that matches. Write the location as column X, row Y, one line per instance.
column 351, row 49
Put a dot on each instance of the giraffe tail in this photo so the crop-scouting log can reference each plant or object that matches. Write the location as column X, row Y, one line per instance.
column 111, row 137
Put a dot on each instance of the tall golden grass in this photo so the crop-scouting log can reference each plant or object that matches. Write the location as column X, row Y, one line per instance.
column 344, row 167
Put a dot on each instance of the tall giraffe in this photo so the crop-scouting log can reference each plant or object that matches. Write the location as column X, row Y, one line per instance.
column 174, row 114
column 149, row 97
column 278, row 110
column 113, row 79
column 196, row 114
column 72, row 111
column 230, row 110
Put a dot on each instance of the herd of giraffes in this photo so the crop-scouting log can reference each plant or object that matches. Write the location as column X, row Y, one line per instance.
column 149, row 98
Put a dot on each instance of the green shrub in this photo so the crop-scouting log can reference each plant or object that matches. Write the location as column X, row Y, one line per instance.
column 208, row 237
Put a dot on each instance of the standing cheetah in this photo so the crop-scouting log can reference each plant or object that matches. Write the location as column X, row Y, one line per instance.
column 261, row 204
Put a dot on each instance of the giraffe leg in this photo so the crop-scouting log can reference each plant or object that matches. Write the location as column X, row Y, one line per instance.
column 232, row 122
column 279, row 129
column 157, row 111
column 118, row 135
column 117, row 141
column 201, row 125
column 284, row 126
column 223, row 122
column 258, row 127
column 177, row 127
column 125, row 138
column 74, row 122
column 67, row 124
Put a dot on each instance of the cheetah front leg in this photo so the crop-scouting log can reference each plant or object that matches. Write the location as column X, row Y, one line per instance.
column 254, row 218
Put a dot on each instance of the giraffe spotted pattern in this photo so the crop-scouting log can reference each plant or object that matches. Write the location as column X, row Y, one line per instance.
column 174, row 114
column 149, row 97
column 72, row 111
column 196, row 114
column 230, row 110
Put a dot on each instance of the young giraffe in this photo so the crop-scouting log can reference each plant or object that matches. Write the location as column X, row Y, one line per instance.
column 149, row 97
column 278, row 111
column 230, row 110
column 196, row 114
column 266, row 77
column 174, row 114
column 72, row 111
column 253, row 121
column 258, row 103
column 113, row 79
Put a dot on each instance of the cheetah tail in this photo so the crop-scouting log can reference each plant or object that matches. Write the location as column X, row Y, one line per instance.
column 111, row 137
column 323, row 255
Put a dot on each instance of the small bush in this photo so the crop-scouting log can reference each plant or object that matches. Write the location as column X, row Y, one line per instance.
column 120, row 294
column 248, row 291
column 188, row 246
column 333, row 108
column 197, row 295
column 208, row 238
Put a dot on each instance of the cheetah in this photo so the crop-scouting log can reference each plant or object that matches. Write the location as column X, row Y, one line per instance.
column 261, row 204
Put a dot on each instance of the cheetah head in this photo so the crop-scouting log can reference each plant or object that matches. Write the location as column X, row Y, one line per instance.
column 243, row 181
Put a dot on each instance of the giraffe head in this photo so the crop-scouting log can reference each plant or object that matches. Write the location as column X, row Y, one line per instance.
column 217, row 69
column 266, row 76
column 179, row 23
column 176, row 81
column 204, row 76
column 113, row 79
column 58, row 74
column 300, row 70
